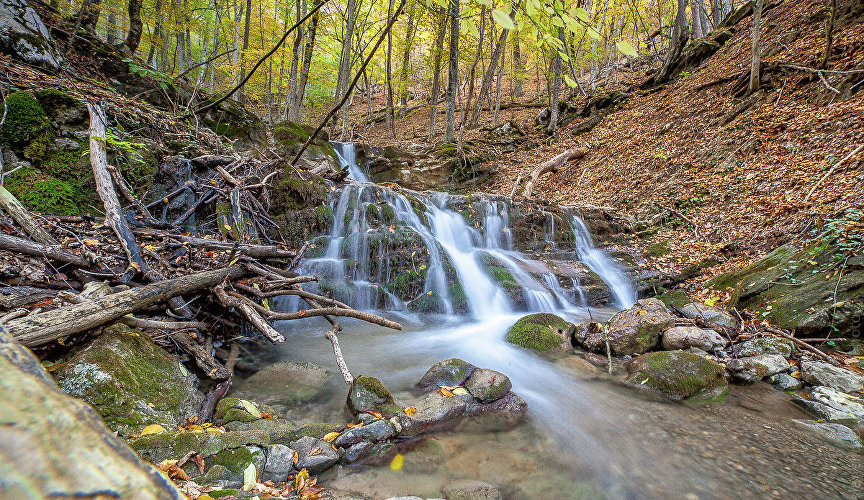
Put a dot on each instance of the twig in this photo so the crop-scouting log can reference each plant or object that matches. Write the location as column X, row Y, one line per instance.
column 831, row 171
column 825, row 82
column 803, row 345
column 684, row 217
column 340, row 360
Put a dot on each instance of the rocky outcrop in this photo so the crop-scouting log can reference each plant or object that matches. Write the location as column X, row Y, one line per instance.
column 821, row 373
column 24, row 37
column 632, row 331
column 679, row 375
column 685, row 337
column 542, row 332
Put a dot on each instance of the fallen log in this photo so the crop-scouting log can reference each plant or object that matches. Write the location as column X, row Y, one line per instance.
column 12, row 206
column 550, row 166
column 255, row 251
column 52, row 252
column 17, row 296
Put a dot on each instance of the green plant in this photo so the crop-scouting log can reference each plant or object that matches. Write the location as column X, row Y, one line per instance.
column 164, row 80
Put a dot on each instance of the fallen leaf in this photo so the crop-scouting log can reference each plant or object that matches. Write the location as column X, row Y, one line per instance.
column 152, row 429
column 250, row 407
column 330, row 436
column 445, row 392
column 460, row 391
column 249, row 477
column 397, row 462
column 199, row 461
column 410, row 411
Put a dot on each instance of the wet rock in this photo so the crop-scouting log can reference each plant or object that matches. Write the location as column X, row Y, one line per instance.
column 679, row 375
column 755, row 368
column 357, row 452
column 280, row 463
column 230, row 448
column 471, row 490
column 820, row 373
column 633, row 331
column 764, row 345
column 285, row 383
column 449, row 372
column 712, row 316
column 785, row 382
column 832, row 405
column 131, row 381
column 502, row 414
column 836, row 434
column 434, row 413
column 368, row 394
column 488, row 385
column 233, row 409
column 56, row 446
column 684, row 337
column 541, row 332
column 314, row 455
column 378, row 430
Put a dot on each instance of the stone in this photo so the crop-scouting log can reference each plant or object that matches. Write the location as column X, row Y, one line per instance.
column 280, row 463
column 712, row 316
column 820, row 373
column 632, row 331
column 757, row 367
column 833, row 405
column 368, row 394
column 24, row 36
column 55, row 446
column 357, row 452
column 785, row 382
column 542, row 332
column 434, row 413
column 450, row 372
column 679, row 375
column 379, row 430
column 500, row 415
column 285, row 383
column 131, row 381
column 471, row 490
column 836, row 434
column 488, row 385
column 764, row 345
column 314, row 454
column 685, row 337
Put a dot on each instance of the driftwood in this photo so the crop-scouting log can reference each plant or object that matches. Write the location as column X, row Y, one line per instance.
column 831, row 171
column 804, row 345
column 52, row 252
column 20, row 214
column 550, row 166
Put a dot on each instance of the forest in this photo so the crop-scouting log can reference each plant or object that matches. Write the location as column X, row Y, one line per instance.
column 431, row 249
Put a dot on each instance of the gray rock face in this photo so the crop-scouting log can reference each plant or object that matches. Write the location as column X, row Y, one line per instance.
column 764, row 345
column 836, row 434
column 472, row 490
column 819, row 373
column 833, row 406
column 434, row 413
column 358, row 452
column 756, row 368
column 685, row 337
column 712, row 316
column 378, row 430
column 53, row 445
column 280, row 463
column 24, row 37
column 449, row 372
column 633, row 331
column 502, row 414
column 314, row 455
column 785, row 382
column 488, row 385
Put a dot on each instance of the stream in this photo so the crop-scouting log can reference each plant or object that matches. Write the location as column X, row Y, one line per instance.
column 586, row 435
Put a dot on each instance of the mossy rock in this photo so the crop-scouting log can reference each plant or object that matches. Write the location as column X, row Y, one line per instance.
column 449, row 372
column 44, row 193
column 26, row 127
column 679, row 375
column 541, row 332
column 170, row 445
column 677, row 298
column 291, row 193
column 292, row 135
column 368, row 394
column 130, row 381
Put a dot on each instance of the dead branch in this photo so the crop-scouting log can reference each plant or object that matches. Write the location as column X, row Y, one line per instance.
column 550, row 166
column 52, row 252
column 20, row 214
column 831, row 171
column 250, row 312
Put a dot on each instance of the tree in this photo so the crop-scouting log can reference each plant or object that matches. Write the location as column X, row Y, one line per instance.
column 453, row 72
column 680, row 35
column 136, row 26
column 436, row 76
column 755, row 63
column 89, row 15
column 556, row 87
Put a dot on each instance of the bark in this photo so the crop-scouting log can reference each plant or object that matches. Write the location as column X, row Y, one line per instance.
column 518, row 68
column 757, row 51
column 89, row 14
column 556, row 93
column 453, row 73
column 133, row 39
column 245, row 44
column 436, row 78
column 498, row 91
column 388, row 74
column 829, row 34
column 490, row 72
column 52, row 252
column 595, row 69
column 406, row 55
column 293, row 111
column 345, row 69
column 550, row 166
column 680, row 34
column 307, row 59
column 20, row 214
column 696, row 15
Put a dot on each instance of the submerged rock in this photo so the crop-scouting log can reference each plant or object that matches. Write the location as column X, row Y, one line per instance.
column 502, row 414
column 286, row 382
column 712, row 316
column 314, row 455
column 450, row 372
column 685, row 337
column 679, row 375
column 764, row 345
column 378, row 430
column 836, row 434
column 632, row 331
column 755, row 368
column 471, row 490
column 541, row 332
column 820, row 373
column 368, row 394
column 131, row 381
column 488, row 385
column 434, row 413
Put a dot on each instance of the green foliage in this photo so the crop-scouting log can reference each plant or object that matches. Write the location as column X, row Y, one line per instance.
column 164, row 80
column 43, row 193
column 540, row 332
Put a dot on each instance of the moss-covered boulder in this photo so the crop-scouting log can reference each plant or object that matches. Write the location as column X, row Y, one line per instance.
column 541, row 332
column 679, row 375
column 450, row 372
column 131, row 381
column 632, row 331
column 368, row 394
column 764, row 345
column 713, row 317
column 488, row 385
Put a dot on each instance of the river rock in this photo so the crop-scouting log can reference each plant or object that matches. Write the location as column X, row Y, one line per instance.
column 755, row 368
column 499, row 415
column 471, row 490
column 820, row 373
column 542, row 332
column 357, row 452
column 56, row 446
column 314, row 454
column 379, row 430
column 285, row 383
column 488, row 385
column 712, row 316
column 24, row 36
column 434, row 413
column 832, row 405
column 764, row 345
column 632, row 331
column 280, row 463
column 836, row 434
column 131, row 381
column 450, row 372
column 684, row 337
column 368, row 394
column 785, row 382
column 679, row 375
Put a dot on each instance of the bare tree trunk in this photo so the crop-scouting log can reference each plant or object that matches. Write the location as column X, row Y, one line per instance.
column 696, row 14
column 406, row 54
column 307, row 60
column 388, row 76
column 293, row 99
column 556, row 88
column 490, row 72
column 680, row 34
column 518, row 68
column 111, row 28
column 136, row 26
column 595, row 67
column 345, row 66
column 755, row 63
column 498, row 90
column 436, row 77
column 89, row 13
column 245, row 45
column 453, row 74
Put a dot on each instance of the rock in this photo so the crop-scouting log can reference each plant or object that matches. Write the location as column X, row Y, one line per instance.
column 434, row 413
column 423, row 456
column 24, row 36
column 131, row 381
column 471, row 490
column 764, row 345
column 56, row 446
column 378, row 430
column 285, row 383
column 684, row 337
column 785, row 382
column 488, row 385
column 449, row 372
column 679, row 375
column 314, row 455
column 502, row 414
column 836, row 434
column 833, row 406
column 633, row 331
column 357, row 452
column 541, row 332
column 757, row 367
column 712, row 316
column 368, row 394
column 820, row 373
column 280, row 463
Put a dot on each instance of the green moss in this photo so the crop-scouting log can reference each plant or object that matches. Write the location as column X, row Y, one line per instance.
column 388, row 214
column 458, row 299
column 372, row 214
column 26, row 125
column 235, row 459
column 677, row 298
column 44, row 194
column 293, row 193
column 369, row 394
column 658, row 249
column 319, row 429
column 53, row 98
column 541, row 332
column 226, row 492
column 679, row 375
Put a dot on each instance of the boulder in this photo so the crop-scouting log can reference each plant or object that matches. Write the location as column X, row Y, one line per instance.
column 285, row 383
column 679, row 375
column 764, row 345
column 314, row 454
column 488, row 385
column 279, row 463
column 541, row 332
column 471, row 490
column 685, row 337
column 450, row 372
column 712, row 316
column 378, row 430
column 24, row 37
column 499, row 415
column 56, row 446
column 632, row 331
column 434, row 413
column 131, row 381
column 358, row 452
column 821, row 373
column 832, row 405
column 785, row 382
column 757, row 367
column 368, row 394
column 836, row 434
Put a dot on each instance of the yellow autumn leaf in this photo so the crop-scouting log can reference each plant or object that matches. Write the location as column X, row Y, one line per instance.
column 215, row 430
column 227, row 227
column 330, row 436
column 249, row 407
column 152, row 429
column 250, row 477
column 410, row 410
column 710, row 302
column 460, row 391
column 397, row 462
column 445, row 392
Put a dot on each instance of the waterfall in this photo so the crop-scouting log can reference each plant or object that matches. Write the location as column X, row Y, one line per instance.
column 348, row 158
column 600, row 262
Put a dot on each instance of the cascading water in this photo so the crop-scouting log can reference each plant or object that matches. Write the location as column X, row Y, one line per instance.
column 600, row 262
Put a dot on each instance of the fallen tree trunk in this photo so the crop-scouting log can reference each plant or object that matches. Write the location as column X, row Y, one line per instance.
column 51, row 252
column 550, row 166
column 256, row 251
column 24, row 219
column 42, row 328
